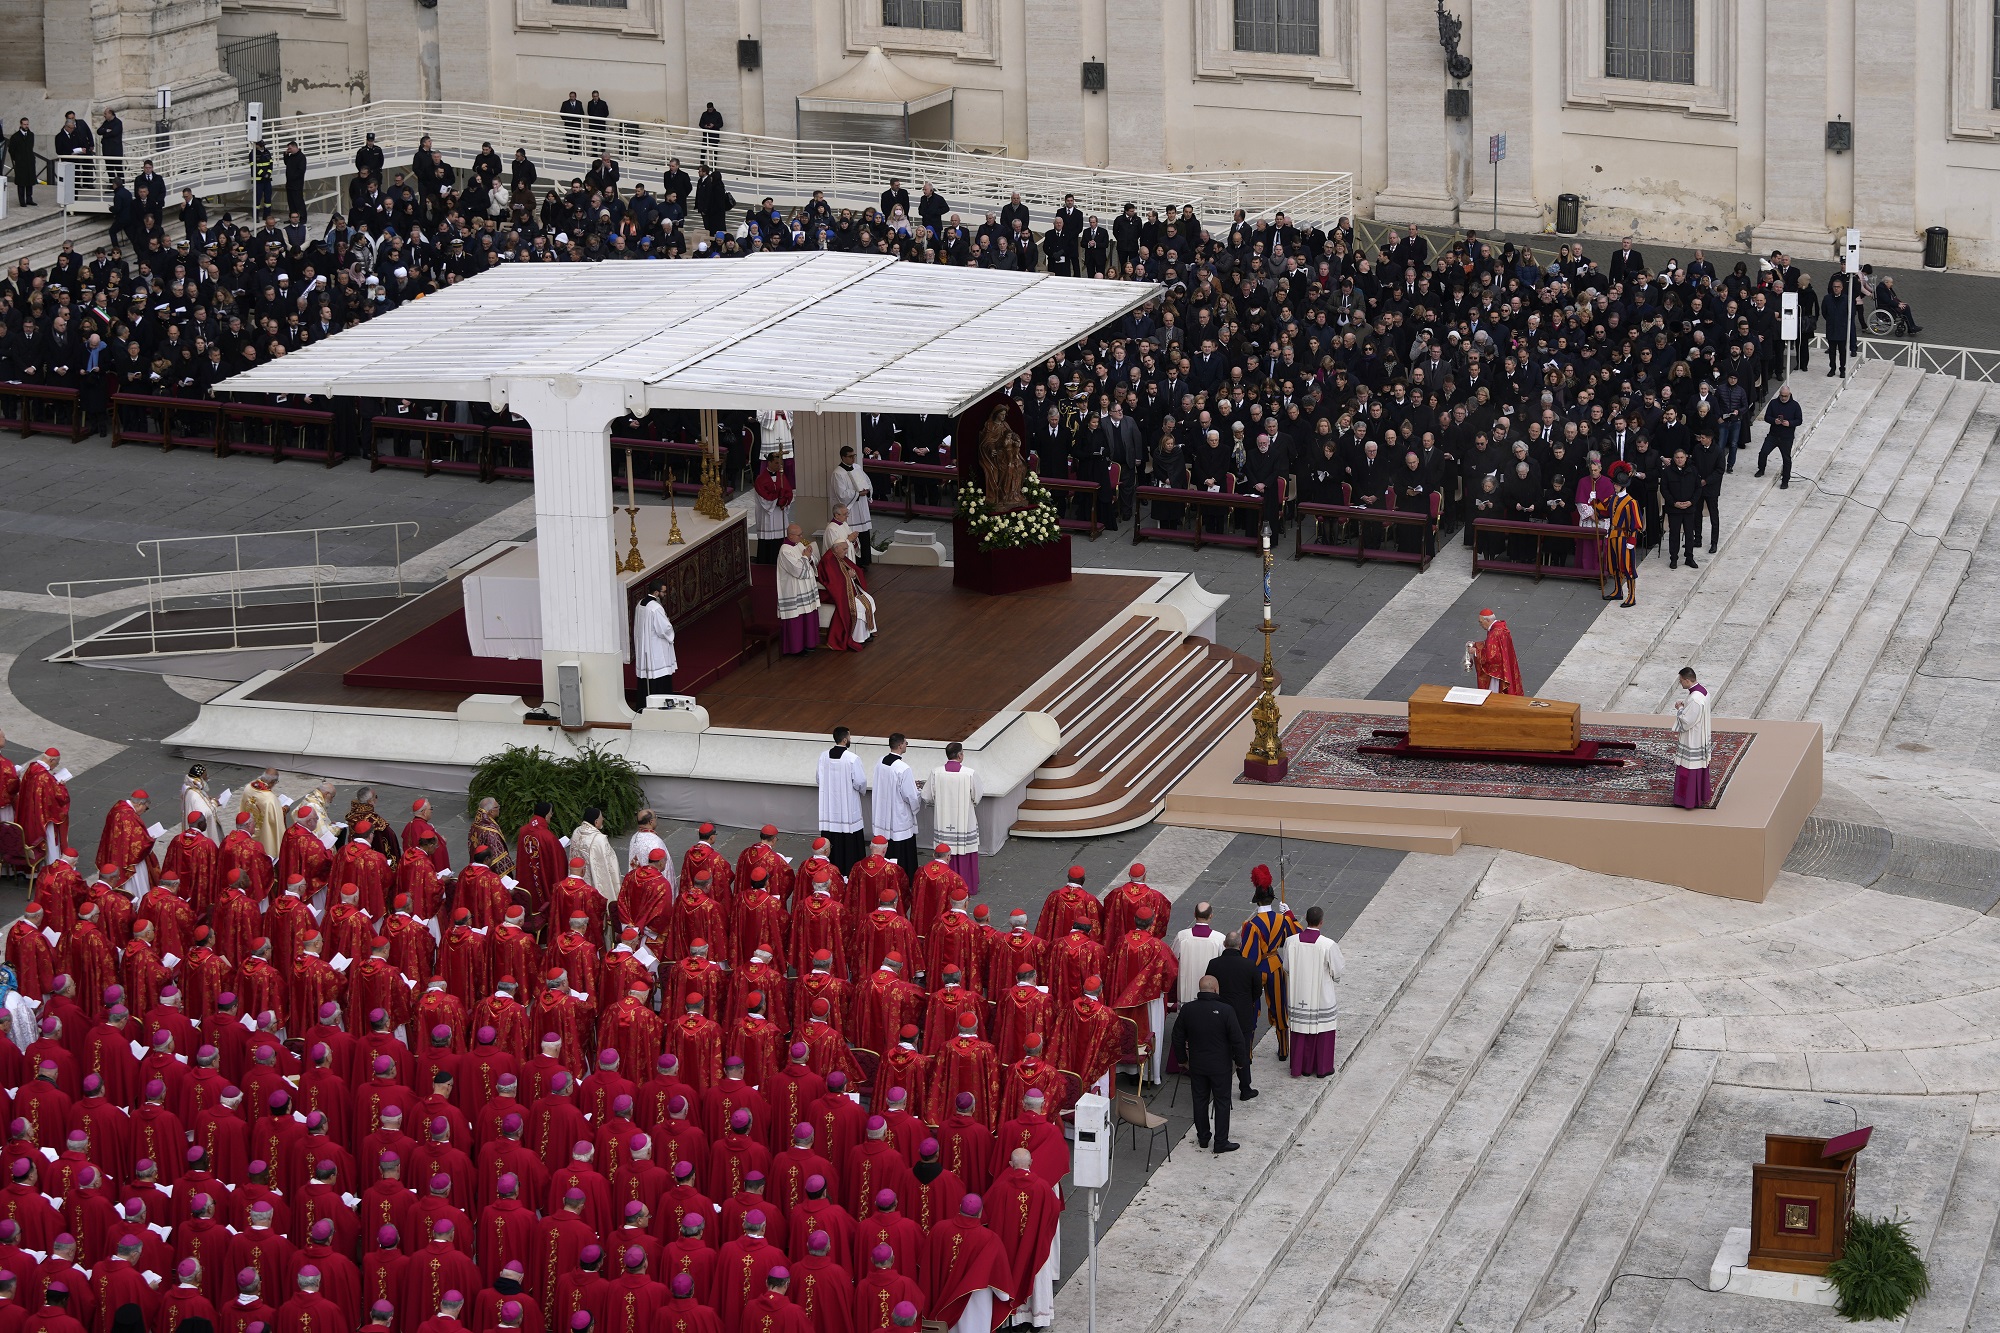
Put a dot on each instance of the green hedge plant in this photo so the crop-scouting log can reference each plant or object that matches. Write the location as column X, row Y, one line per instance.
column 521, row 775
column 1881, row 1274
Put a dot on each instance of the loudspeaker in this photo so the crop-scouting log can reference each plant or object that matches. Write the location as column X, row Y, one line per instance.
column 1093, row 76
column 749, row 53
column 1458, row 104
column 569, row 693
column 1840, row 136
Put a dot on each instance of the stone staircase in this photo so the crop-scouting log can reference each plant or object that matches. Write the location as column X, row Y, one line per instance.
column 1497, row 1131
column 1824, row 598
column 1136, row 712
column 36, row 234
column 1511, row 1131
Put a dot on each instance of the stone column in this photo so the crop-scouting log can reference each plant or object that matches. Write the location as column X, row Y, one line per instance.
column 1418, row 188
column 1503, row 102
column 1055, row 82
column 582, row 601
column 1795, row 116
column 125, row 49
column 1887, row 82
column 1135, row 73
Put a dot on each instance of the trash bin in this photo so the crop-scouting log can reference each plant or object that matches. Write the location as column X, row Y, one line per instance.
column 1569, row 213
column 1936, row 241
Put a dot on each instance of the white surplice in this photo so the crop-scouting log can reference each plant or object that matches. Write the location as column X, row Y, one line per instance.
column 896, row 799
column 652, row 641
column 841, row 782
column 1312, row 967
column 956, row 797
column 1195, row 952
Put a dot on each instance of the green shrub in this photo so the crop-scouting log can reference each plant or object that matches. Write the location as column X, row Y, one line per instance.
column 521, row 775
column 1881, row 1274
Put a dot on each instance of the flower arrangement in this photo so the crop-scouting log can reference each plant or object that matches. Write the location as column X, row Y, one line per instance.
column 1034, row 526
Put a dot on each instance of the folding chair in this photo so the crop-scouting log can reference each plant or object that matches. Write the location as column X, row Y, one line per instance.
column 1134, row 1115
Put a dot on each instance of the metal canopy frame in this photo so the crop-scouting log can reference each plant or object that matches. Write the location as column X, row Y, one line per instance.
column 817, row 331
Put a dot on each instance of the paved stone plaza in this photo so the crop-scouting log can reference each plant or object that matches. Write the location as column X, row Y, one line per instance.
column 1553, row 1077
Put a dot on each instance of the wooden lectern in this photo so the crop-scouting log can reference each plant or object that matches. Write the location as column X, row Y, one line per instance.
column 1801, row 1196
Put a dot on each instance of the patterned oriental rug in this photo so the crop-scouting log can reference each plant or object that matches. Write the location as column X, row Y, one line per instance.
column 1323, row 749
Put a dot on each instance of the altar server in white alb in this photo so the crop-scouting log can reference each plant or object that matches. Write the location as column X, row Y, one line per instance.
column 1693, row 748
column 953, row 789
column 896, row 804
column 653, row 659
column 1313, row 966
column 798, row 594
column 850, row 487
column 841, row 782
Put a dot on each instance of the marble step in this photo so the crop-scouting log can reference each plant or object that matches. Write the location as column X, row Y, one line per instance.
column 1294, row 1286
column 1960, row 1250
column 1681, row 622
column 1597, row 671
column 1807, row 632
column 1493, row 1300
column 1264, row 1225
column 1433, row 1277
column 1591, row 1256
column 1720, row 629
column 1833, row 657
column 1411, row 955
column 1860, row 729
column 1387, row 1252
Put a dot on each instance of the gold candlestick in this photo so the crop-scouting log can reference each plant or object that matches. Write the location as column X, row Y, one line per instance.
column 633, row 562
column 674, row 537
column 1267, row 760
column 709, row 503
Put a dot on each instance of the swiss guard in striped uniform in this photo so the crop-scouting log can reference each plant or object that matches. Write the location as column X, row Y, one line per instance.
column 1264, row 936
column 1621, row 542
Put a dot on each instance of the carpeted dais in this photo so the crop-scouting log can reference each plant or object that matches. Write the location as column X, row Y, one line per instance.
column 1324, row 754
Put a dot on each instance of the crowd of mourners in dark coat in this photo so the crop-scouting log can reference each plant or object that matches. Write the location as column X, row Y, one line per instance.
column 1294, row 362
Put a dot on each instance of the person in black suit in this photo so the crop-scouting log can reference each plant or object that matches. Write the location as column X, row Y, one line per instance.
column 1208, row 1043
column 1627, row 263
column 1242, row 989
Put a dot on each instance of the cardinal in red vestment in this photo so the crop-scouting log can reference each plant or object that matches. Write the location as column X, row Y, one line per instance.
column 1066, row 905
column 702, row 857
column 303, row 854
column 124, row 844
column 820, row 926
column 696, row 1041
column 538, row 857
column 1087, row 1037
column 883, row 1003
column 965, row 1269
column 965, row 1064
column 1124, row 904
column 1022, row 1008
column 875, row 874
column 1033, row 1077
column 932, row 890
column 243, row 854
column 645, row 896
column 696, row 915
column 1494, row 665
column 1023, row 1211
column 194, row 859
column 41, row 805
column 30, row 954
column 764, row 854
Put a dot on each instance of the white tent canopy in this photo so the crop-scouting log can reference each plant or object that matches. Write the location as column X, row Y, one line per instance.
column 815, row 331
column 875, row 86
column 876, row 101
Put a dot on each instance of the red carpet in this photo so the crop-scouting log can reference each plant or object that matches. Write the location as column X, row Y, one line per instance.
column 439, row 657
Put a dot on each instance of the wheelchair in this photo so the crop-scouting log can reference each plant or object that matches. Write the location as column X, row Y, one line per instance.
column 1888, row 322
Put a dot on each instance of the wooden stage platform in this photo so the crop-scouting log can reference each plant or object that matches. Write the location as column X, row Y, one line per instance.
column 946, row 661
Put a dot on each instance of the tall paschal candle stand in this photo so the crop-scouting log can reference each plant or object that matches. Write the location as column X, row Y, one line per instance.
column 1267, row 760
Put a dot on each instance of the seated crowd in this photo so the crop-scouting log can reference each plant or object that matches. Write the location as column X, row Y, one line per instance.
column 1289, row 362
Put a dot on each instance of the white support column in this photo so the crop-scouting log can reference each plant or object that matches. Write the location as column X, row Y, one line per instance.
column 582, row 601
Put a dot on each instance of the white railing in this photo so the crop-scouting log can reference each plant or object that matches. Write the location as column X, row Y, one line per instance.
column 264, row 608
column 213, row 159
column 233, row 604
column 1978, row 364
